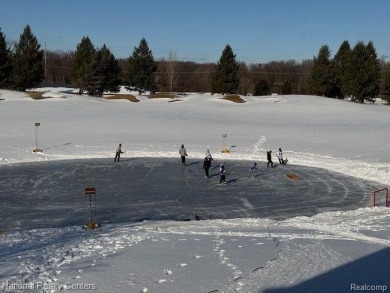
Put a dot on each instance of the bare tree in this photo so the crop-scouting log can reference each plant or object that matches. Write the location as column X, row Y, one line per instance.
column 171, row 70
column 58, row 64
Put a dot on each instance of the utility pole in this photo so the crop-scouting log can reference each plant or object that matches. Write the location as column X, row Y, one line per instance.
column 45, row 62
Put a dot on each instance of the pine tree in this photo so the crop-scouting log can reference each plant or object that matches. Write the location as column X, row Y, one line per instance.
column 226, row 78
column 286, row 88
column 364, row 73
column 262, row 88
column 142, row 67
column 341, row 63
column 386, row 85
column 27, row 61
column 322, row 78
column 373, row 80
column 82, row 71
column 106, row 73
column 5, row 63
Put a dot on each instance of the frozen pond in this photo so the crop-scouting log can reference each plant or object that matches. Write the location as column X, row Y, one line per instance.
column 51, row 194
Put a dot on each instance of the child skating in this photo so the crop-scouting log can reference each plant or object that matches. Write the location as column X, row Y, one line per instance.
column 269, row 159
column 280, row 156
column 222, row 174
column 118, row 153
column 252, row 170
column 207, row 164
column 183, row 154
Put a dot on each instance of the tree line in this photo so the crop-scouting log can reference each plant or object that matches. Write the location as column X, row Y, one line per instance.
column 356, row 73
column 353, row 73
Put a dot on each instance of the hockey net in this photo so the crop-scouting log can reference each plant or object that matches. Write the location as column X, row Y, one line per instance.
column 380, row 197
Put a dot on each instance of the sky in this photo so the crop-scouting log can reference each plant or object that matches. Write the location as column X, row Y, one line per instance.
column 258, row 31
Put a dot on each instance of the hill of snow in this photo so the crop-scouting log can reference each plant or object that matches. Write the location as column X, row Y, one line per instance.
column 337, row 251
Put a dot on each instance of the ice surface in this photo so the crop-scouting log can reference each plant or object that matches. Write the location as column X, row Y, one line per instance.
column 51, row 194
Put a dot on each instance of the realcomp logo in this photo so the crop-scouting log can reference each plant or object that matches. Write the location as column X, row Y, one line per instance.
column 368, row 287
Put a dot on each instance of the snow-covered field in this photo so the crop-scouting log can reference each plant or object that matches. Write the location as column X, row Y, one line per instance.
column 335, row 251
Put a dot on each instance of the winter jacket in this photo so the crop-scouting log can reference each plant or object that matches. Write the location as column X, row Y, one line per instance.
column 119, row 150
column 207, row 163
column 252, row 168
column 183, row 152
column 280, row 155
column 208, row 155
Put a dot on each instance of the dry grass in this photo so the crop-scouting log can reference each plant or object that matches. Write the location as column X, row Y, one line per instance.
column 174, row 100
column 162, row 95
column 234, row 98
column 128, row 97
column 36, row 95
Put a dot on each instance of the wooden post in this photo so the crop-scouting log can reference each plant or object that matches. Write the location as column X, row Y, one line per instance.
column 224, row 148
column 91, row 191
column 36, row 149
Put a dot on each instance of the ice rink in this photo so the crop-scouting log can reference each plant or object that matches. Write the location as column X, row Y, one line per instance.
column 51, row 194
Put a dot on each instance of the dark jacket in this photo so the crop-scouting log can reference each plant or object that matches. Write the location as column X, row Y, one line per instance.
column 207, row 163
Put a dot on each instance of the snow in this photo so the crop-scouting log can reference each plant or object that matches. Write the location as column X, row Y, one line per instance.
column 330, row 251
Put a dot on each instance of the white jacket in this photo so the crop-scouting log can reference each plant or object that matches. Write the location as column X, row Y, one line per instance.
column 183, row 152
column 279, row 155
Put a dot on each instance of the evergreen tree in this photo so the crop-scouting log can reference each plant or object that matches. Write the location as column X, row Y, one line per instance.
column 364, row 73
column 262, row 88
column 5, row 63
column 226, row 78
column 106, row 73
column 28, row 70
column 286, row 88
column 341, row 63
column 372, row 89
column 82, row 70
column 142, row 67
column 322, row 78
column 386, row 86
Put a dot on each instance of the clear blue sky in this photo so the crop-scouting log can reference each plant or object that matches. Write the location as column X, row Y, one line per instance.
column 258, row 31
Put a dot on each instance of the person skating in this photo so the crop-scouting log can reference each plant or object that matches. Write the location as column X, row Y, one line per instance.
column 269, row 159
column 252, row 169
column 280, row 156
column 118, row 153
column 208, row 155
column 183, row 154
column 222, row 174
column 207, row 164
